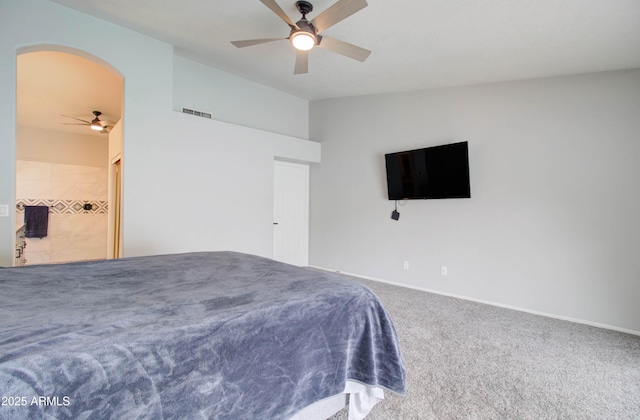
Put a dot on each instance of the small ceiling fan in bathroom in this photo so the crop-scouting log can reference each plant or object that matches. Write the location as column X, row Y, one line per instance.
column 96, row 124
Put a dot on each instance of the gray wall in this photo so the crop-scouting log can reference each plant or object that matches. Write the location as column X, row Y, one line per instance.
column 232, row 99
column 552, row 225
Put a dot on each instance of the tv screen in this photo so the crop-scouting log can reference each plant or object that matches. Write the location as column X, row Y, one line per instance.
column 433, row 172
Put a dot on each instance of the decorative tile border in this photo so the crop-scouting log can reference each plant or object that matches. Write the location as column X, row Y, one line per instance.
column 65, row 206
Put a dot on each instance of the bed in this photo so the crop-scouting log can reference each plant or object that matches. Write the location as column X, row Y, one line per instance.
column 220, row 335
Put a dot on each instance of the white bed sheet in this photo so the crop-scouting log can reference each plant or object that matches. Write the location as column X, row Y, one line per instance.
column 361, row 399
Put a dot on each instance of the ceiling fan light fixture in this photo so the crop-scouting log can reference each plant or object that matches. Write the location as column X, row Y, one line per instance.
column 303, row 41
column 95, row 125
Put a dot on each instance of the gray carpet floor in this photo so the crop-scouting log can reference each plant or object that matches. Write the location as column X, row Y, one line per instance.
column 467, row 360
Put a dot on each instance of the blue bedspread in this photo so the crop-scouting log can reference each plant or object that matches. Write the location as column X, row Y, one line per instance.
column 202, row 335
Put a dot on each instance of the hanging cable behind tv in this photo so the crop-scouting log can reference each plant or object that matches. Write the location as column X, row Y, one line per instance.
column 394, row 214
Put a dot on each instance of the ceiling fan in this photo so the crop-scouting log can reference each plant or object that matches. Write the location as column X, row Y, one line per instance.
column 102, row 126
column 305, row 34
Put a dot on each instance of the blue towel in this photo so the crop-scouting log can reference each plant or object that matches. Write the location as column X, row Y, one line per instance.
column 36, row 220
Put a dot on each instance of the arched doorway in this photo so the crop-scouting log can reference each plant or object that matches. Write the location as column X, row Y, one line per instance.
column 61, row 163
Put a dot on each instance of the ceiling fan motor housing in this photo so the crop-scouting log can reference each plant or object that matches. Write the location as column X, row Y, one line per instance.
column 304, row 26
column 304, row 7
column 304, row 37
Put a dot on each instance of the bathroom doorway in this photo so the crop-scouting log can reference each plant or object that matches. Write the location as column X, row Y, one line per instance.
column 62, row 162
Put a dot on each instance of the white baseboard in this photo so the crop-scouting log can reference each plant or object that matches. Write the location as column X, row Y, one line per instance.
column 501, row 305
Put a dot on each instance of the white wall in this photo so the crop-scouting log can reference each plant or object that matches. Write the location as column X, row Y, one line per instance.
column 552, row 225
column 42, row 145
column 181, row 173
column 233, row 99
column 210, row 183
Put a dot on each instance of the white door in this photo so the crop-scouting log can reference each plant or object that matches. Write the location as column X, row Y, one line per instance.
column 291, row 213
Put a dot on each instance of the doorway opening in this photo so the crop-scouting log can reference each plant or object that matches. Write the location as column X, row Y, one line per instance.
column 61, row 162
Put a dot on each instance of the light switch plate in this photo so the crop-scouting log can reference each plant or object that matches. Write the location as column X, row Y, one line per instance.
column 4, row 210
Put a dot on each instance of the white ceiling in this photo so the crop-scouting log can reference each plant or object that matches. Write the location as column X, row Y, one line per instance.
column 415, row 44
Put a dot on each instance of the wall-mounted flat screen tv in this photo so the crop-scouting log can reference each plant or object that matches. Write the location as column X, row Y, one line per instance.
column 433, row 172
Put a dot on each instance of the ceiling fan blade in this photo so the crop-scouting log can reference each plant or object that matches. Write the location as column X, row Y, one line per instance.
column 84, row 121
column 344, row 48
column 302, row 62
column 74, row 124
column 271, row 4
column 250, row 42
column 339, row 11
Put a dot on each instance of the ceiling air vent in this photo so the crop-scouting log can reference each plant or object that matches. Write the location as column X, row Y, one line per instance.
column 196, row 113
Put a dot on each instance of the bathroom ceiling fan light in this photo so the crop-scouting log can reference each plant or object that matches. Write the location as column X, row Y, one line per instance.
column 95, row 125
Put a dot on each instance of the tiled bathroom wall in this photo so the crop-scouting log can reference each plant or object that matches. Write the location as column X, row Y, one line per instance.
column 74, row 233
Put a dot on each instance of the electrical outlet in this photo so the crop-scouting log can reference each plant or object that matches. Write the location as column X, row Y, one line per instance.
column 405, row 265
column 444, row 271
